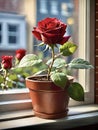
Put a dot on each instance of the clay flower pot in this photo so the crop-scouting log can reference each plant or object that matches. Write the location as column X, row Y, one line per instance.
column 48, row 100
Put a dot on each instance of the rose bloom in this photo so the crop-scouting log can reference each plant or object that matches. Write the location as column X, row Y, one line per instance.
column 20, row 53
column 7, row 62
column 51, row 31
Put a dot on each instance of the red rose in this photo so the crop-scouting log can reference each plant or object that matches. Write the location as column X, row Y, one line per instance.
column 51, row 31
column 20, row 53
column 7, row 62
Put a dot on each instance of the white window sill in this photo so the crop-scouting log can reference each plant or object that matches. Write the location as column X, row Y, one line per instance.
column 78, row 116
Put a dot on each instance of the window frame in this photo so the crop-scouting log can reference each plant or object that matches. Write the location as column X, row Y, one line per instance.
column 86, row 77
column 13, row 19
column 19, row 99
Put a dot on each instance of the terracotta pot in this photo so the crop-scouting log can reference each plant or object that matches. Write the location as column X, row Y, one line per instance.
column 48, row 100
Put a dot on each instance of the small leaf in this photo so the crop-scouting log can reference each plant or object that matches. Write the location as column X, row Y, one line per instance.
column 76, row 91
column 29, row 60
column 17, row 70
column 80, row 64
column 13, row 77
column 58, row 63
column 9, row 84
column 49, row 62
column 68, row 48
column 1, row 79
column 59, row 79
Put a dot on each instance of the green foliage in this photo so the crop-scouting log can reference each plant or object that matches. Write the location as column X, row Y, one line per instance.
column 76, row 91
column 55, row 68
column 1, row 79
column 29, row 60
column 68, row 49
column 80, row 64
column 60, row 79
column 58, row 63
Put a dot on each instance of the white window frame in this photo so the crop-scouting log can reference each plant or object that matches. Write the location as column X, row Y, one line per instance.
column 13, row 19
column 19, row 99
column 86, row 44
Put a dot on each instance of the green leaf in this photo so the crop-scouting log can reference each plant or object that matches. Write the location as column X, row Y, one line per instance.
column 59, row 79
column 13, row 77
column 49, row 62
column 29, row 60
column 10, row 84
column 17, row 70
column 76, row 91
column 58, row 63
column 80, row 64
column 68, row 48
column 1, row 79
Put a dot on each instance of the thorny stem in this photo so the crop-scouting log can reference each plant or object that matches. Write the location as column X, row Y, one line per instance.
column 50, row 67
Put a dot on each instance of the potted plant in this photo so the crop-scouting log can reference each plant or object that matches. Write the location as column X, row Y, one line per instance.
column 51, row 87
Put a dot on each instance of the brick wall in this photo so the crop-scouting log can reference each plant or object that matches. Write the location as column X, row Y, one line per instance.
column 96, row 50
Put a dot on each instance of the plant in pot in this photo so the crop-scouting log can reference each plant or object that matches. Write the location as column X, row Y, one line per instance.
column 51, row 87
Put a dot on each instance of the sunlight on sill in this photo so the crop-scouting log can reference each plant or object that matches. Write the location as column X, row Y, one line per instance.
column 25, row 118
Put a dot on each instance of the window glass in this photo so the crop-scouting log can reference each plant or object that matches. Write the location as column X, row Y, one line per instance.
column 54, row 7
column 12, row 34
column 43, row 6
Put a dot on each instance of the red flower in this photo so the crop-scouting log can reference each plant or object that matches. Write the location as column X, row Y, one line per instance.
column 20, row 53
column 7, row 62
column 51, row 31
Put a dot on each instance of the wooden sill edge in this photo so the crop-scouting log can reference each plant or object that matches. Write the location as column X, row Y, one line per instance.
column 26, row 118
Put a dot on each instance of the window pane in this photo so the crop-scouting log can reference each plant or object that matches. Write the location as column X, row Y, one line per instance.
column 43, row 6
column 12, row 34
column 54, row 7
column 12, row 40
column 12, row 28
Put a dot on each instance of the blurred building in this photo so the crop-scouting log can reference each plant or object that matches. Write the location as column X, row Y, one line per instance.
column 17, row 18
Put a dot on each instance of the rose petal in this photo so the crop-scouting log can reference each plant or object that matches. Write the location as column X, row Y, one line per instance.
column 37, row 35
column 64, row 39
column 51, row 38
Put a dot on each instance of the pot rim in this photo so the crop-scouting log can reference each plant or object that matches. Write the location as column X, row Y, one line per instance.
column 29, row 78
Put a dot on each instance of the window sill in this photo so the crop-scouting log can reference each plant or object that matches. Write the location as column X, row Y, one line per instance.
column 78, row 116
